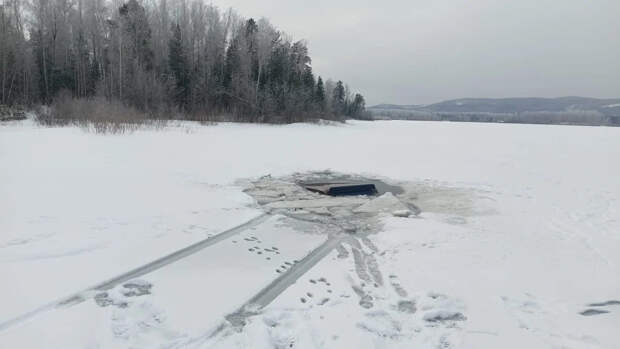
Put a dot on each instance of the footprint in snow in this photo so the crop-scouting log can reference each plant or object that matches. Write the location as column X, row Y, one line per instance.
column 406, row 307
column 604, row 304
column 118, row 297
column 592, row 312
column 398, row 288
column 443, row 316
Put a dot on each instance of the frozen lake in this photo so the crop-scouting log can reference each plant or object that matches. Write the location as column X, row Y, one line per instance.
column 516, row 246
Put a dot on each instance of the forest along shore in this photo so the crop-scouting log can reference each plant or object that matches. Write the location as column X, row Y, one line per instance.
column 186, row 60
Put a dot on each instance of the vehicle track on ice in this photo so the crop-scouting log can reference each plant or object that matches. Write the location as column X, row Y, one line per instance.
column 88, row 293
column 268, row 294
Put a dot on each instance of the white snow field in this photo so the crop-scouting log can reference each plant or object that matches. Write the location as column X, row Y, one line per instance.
column 517, row 244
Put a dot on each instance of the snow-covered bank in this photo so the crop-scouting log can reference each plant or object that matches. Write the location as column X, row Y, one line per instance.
column 519, row 233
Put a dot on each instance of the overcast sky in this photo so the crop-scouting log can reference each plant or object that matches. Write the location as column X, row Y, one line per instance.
column 425, row 51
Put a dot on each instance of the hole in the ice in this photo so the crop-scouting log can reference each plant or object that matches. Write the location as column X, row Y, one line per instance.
column 342, row 189
column 346, row 185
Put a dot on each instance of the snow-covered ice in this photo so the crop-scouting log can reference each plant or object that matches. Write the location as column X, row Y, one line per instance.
column 516, row 244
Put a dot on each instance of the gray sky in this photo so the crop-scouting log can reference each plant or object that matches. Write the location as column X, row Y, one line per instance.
column 424, row 51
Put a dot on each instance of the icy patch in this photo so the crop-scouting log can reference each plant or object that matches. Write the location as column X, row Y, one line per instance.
column 319, row 203
column 330, row 215
column 451, row 201
column 386, row 203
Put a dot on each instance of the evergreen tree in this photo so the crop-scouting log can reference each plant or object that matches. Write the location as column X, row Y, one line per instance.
column 338, row 100
column 307, row 89
column 251, row 28
column 231, row 70
column 319, row 95
column 177, row 62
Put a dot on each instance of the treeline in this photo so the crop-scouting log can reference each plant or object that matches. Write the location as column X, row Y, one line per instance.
column 163, row 59
column 569, row 117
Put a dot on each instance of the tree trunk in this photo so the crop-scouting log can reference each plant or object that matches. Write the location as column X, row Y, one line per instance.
column 8, row 98
column 47, row 89
column 258, row 82
column 3, row 53
column 120, row 65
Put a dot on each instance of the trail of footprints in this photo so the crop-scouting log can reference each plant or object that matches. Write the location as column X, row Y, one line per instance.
column 324, row 286
column 599, row 308
column 269, row 253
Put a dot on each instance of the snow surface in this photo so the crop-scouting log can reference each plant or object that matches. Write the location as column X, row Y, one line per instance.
column 519, row 234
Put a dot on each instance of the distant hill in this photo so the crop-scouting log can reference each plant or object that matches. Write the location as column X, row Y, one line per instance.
column 522, row 105
column 563, row 110
column 396, row 106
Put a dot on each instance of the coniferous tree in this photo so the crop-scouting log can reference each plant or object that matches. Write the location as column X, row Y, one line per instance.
column 338, row 100
column 231, row 72
column 178, row 64
column 320, row 95
column 307, row 90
